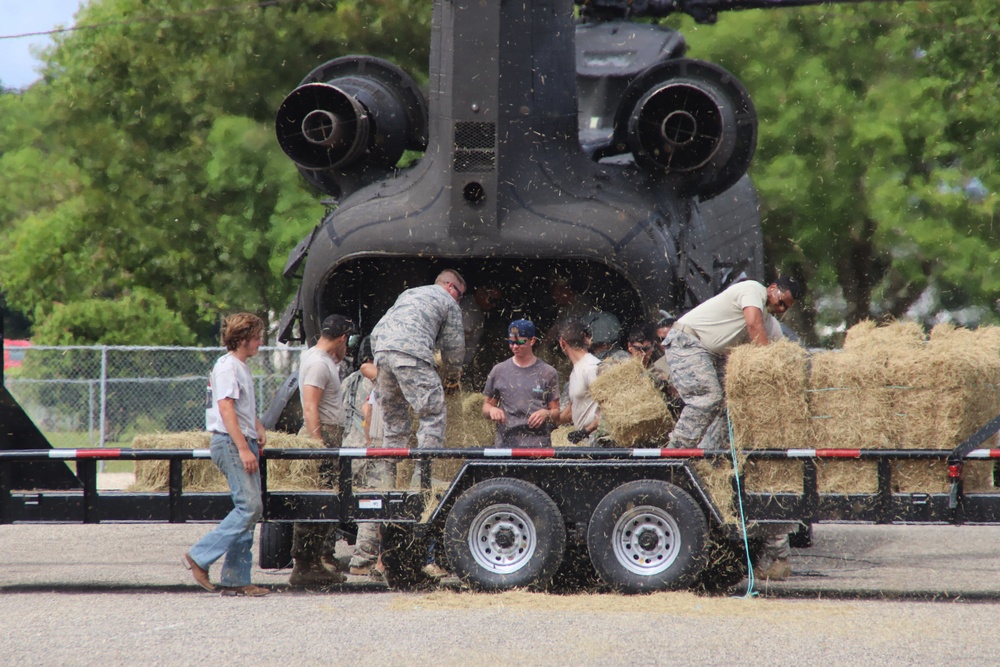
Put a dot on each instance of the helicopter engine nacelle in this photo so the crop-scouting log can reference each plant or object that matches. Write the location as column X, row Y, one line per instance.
column 349, row 121
column 690, row 119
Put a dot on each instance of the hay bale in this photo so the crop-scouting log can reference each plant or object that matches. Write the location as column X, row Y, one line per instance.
column 765, row 392
column 560, row 436
column 466, row 428
column 203, row 475
column 772, row 476
column 847, row 476
column 632, row 408
column 717, row 480
column 850, row 404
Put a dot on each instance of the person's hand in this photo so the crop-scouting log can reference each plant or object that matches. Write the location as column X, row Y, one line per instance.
column 262, row 438
column 249, row 460
column 537, row 418
column 498, row 415
column 577, row 436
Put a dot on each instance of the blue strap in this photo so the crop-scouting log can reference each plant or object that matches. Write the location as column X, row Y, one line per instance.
column 743, row 521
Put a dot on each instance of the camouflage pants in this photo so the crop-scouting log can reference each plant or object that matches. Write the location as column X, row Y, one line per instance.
column 310, row 540
column 377, row 474
column 698, row 375
column 404, row 380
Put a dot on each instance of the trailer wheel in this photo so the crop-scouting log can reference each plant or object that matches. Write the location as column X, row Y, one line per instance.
column 647, row 536
column 274, row 552
column 504, row 533
column 404, row 555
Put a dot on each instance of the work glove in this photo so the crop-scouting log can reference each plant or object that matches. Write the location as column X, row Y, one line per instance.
column 577, row 436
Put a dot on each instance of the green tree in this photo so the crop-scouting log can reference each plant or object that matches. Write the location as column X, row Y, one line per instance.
column 877, row 159
column 117, row 165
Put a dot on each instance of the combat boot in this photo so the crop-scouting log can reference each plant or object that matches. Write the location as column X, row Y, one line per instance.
column 313, row 574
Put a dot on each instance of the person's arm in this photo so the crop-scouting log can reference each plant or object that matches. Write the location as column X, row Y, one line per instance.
column 366, row 421
column 227, row 410
column 539, row 417
column 492, row 411
column 566, row 416
column 754, row 318
column 261, row 434
column 310, row 411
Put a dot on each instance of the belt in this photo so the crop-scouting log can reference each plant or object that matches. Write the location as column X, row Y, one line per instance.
column 683, row 328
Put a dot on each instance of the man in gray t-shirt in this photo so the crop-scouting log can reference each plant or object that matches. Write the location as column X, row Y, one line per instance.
column 522, row 393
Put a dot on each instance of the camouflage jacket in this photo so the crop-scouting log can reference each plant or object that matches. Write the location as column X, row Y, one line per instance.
column 423, row 319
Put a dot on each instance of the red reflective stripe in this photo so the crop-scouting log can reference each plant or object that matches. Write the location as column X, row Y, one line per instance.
column 995, row 453
column 682, row 453
column 98, row 453
column 532, row 453
column 838, row 453
column 386, row 453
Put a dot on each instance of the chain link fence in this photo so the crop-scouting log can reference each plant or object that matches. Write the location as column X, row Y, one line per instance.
column 101, row 396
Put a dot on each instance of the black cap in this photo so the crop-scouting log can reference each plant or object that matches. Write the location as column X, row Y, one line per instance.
column 335, row 326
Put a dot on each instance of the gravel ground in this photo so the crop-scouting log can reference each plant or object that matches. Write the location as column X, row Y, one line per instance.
column 117, row 595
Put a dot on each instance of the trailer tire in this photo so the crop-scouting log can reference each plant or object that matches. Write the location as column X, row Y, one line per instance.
column 505, row 533
column 403, row 557
column 647, row 536
column 274, row 552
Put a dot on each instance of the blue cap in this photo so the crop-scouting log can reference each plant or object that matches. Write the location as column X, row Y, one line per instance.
column 521, row 329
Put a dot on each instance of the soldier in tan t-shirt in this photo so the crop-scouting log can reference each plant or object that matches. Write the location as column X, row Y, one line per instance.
column 696, row 346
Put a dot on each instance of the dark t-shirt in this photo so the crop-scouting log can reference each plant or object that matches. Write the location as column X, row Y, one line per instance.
column 520, row 392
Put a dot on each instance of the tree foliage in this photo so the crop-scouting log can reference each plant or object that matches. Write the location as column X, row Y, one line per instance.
column 145, row 163
column 877, row 159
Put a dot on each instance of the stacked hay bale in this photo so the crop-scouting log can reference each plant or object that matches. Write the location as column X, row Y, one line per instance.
column 203, row 475
column 948, row 389
column 889, row 388
column 851, row 397
column 632, row 408
column 765, row 390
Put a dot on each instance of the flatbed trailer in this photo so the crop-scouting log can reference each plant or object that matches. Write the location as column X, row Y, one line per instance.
column 639, row 519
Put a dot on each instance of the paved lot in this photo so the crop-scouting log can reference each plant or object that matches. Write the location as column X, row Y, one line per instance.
column 116, row 594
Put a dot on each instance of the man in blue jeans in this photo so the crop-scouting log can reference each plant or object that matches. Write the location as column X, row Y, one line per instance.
column 237, row 436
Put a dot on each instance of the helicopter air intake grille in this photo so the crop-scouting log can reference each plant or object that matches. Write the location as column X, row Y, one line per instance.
column 475, row 147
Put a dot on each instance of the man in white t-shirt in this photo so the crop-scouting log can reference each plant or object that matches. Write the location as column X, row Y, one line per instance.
column 323, row 413
column 697, row 345
column 583, row 411
column 237, row 436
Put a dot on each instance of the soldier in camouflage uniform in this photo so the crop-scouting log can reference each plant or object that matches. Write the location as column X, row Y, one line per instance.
column 422, row 319
column 696, row 348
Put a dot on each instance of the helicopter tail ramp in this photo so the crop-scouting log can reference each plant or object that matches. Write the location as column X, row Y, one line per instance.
column 17, row 431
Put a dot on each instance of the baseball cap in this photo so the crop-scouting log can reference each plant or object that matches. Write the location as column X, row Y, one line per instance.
column 335, row 326
column 522, row 328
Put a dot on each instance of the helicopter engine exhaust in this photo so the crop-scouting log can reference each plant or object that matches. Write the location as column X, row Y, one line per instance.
column 350, row 121
column 691, row 119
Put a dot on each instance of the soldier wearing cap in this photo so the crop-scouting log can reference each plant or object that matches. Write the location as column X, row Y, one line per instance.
column 404, row 340
column 522, row 393
column 322, row 411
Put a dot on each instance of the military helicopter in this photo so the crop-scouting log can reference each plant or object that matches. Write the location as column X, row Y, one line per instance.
column 554, row 150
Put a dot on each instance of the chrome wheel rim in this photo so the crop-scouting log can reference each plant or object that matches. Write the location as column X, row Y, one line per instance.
column 502, row 539
column 646, row 540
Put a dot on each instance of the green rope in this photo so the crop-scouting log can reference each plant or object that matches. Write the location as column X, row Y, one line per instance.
column 743, row 521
